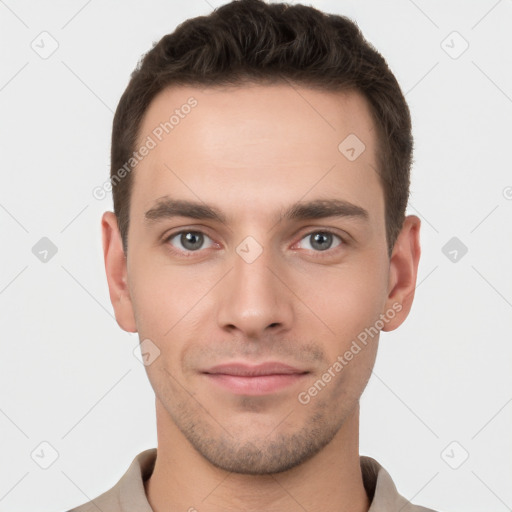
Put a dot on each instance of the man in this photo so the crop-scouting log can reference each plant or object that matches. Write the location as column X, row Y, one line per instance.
column 260, row 175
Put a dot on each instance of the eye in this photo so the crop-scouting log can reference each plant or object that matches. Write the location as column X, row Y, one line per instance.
column 320, row 241
column 189, row 241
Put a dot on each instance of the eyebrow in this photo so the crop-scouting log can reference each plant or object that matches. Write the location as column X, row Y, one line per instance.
column 167, row 208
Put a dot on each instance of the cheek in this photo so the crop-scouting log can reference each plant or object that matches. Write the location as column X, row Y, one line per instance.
column 171, row 306
column 163, row 295
column 341, row 383
column 342, row 302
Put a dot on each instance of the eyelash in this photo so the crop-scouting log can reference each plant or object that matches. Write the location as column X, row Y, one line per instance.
column 343, row 241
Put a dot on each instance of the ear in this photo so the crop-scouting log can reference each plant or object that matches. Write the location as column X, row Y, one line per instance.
column 117, row 275
column 403, row 270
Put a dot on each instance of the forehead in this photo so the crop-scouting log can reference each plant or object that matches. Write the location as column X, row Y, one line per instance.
column 259, row 144
column 259, row 112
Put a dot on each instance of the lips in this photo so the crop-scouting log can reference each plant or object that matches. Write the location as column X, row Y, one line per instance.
column 245, row 370
column 265, row 378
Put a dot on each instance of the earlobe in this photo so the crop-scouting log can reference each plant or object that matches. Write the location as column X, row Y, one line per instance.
column 117, row 274
column 403, row 272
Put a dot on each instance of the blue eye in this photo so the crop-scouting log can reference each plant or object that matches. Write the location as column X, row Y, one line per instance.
column 189, row 241
column 321, row 240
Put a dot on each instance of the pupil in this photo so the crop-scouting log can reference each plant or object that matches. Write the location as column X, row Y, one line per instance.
column 320, row 239
column 191, row 240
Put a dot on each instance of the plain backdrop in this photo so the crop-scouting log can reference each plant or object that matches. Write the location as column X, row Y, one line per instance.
column 437, row 411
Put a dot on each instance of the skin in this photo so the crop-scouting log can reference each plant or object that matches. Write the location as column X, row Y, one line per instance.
column 252, row 152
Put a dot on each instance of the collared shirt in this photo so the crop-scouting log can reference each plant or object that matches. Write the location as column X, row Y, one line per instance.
column 128, row 495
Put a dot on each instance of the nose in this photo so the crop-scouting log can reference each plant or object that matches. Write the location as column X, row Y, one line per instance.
column 254, row 300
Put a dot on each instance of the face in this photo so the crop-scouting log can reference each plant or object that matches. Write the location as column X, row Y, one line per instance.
column 257, row 261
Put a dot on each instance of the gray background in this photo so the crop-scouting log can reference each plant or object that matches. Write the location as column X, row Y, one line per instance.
column 441, row 389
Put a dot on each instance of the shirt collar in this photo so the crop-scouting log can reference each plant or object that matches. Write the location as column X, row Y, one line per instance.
column 378, row 484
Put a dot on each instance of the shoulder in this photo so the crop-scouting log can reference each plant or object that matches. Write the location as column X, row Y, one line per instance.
column 128, row 490
column 382, row 490
column 108, row 501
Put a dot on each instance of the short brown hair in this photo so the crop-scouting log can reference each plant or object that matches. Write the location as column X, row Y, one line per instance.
column 249, row 40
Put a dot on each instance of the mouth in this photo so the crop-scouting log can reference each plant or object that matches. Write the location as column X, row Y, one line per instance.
column 262, row 379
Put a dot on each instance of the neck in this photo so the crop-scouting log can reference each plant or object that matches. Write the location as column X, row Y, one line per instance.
column 183, row 480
